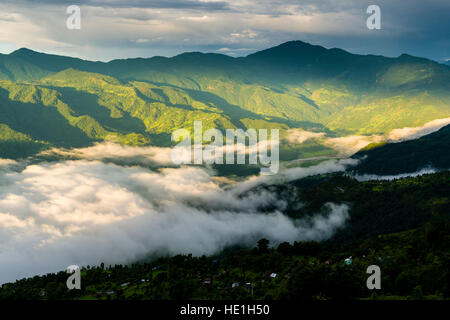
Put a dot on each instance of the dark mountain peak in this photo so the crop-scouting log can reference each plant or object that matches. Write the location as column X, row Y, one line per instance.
column 295, row 44
column 51, row 62
column 23, row 51
column 409, row 58
column 28, row 53
column 289, row 48
column 296, row 57
column 214, row 60
column 190, row 53
column 198, row 54
column 295, row 52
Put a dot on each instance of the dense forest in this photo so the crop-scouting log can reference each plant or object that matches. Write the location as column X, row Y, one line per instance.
column 402, row 226
column 55, row 101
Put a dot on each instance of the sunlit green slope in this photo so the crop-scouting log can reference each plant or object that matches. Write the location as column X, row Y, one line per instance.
column 65, row 101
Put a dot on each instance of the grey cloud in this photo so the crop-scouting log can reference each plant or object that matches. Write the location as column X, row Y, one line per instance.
column 111, row 28
column 7, row 17
column 149, row 4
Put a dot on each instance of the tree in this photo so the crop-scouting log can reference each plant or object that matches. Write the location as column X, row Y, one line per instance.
column 263, row 245
column 304, row 284
column 285, row 248
column 417, row 293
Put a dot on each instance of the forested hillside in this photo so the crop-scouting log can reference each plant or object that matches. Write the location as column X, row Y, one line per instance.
column 401, row 226
column 49, row 100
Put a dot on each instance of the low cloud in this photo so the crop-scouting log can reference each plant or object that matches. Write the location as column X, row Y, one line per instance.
column 7, row 162
column 117, row 153
column 367, row 177
column 291, row 174
column 155, row 157
column 88, row 211
column 408, row 133
column 300, row 136
column 347, row 146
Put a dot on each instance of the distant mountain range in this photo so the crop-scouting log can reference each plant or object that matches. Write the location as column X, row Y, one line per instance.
column 49, row 100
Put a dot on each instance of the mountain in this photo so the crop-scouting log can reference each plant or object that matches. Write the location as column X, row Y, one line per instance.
column 61, row 101
column 16, row 69
column 432, row 150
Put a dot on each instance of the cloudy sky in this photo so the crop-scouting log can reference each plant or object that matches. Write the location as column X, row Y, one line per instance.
column 118, row 29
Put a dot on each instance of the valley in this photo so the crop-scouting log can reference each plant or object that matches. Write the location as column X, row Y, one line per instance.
column 70, row 102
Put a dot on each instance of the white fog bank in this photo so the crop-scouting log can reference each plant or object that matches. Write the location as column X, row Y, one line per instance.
column 85, row 212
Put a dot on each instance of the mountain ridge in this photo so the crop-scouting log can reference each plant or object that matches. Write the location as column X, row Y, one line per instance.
column 298, row 43
column 292, row 85
column 430, row 151
column 294, row 47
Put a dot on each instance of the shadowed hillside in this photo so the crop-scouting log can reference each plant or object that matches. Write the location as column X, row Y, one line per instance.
column 432, row 150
